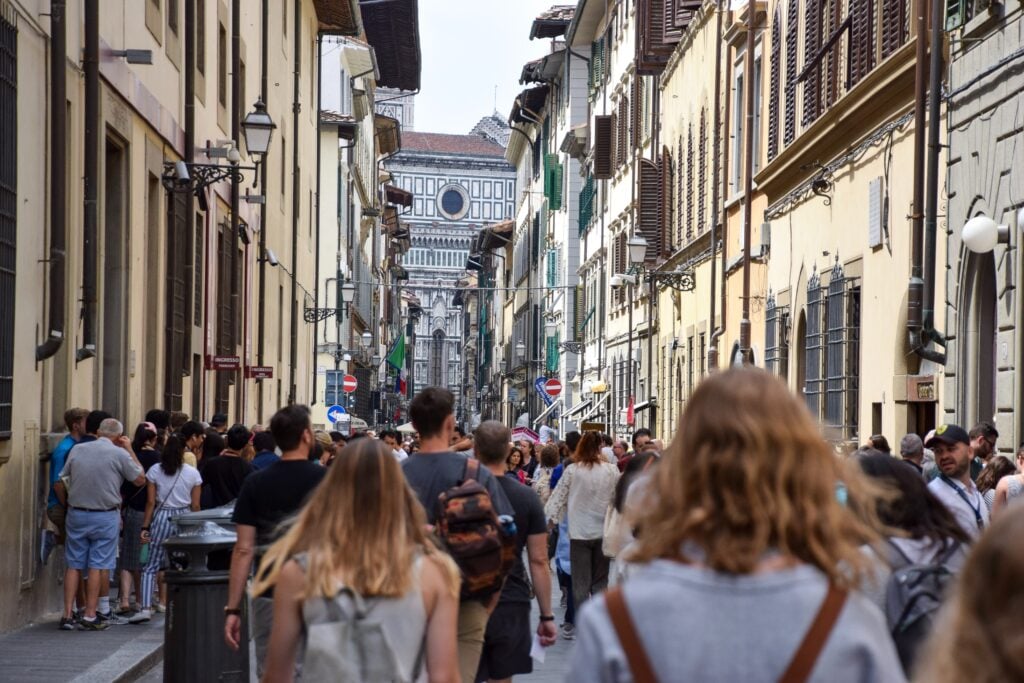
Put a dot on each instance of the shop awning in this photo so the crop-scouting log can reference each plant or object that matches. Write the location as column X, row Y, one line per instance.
column 553, row 22
column 644, row 405
column 527, row 106
column 547, row 411
column 398, row 196
column 543, row 70
column 494, row 236
column 578, row 408
column 392, row 28
column 596, row 409
column 388, row 133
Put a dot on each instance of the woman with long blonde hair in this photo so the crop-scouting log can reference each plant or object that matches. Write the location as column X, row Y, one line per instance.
column 980, row 635
column 743, row 550
column 360, row 547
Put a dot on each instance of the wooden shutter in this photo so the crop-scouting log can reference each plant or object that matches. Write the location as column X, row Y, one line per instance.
column 635, row 112
column 175, row 322
column 702, row 175
column 689, row 183
column 602, row 154
column 831, row 9
column 622, row 139
column 792, row 40
column 650, row 208
column 862, row 39
column 812, row 43
column 680, row 197
column 774, row 84
column 666, row 201
column 655, row 38
column 894, row 25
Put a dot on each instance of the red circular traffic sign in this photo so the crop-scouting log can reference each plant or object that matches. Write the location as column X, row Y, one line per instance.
column 553, row 387
column 348, row 384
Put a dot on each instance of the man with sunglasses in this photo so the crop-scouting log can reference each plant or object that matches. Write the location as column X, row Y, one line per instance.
column 983, row 446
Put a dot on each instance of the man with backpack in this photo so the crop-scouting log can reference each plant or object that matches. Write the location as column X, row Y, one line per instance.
column 456, row 492
column 508, row 637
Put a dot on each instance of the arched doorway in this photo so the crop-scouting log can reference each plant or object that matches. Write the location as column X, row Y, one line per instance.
column 977, row 387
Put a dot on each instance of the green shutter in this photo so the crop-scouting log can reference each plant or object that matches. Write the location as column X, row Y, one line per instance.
column 586, row 210
column 552, row 354
column 555, row 200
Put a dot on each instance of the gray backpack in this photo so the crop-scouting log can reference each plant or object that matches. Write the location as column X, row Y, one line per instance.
column 344, row 644
column 913, row 596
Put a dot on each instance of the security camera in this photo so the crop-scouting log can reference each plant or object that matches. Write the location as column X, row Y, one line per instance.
column 181, row 171
column 271, row 257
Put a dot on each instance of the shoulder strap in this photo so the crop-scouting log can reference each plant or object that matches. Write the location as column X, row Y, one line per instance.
column 802, row 664
column 636, row 656
column 472, row 467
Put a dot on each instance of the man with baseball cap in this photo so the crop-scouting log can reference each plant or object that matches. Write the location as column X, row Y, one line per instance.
column 954, row 487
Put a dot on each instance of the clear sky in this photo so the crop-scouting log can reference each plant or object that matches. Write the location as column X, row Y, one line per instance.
column 469, row 47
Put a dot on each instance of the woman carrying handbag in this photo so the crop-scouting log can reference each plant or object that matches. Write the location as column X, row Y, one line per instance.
column 173, row 488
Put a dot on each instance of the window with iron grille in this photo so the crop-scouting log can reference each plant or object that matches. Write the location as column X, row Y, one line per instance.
column 792, row 40
column 842, row 353
column 813, row 345
column 774, row 84
column 776, row 338
column 8, row 215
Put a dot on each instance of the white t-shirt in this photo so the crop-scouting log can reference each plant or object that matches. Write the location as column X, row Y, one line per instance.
column 400, row 454
column 967, row 506
column 171, row 490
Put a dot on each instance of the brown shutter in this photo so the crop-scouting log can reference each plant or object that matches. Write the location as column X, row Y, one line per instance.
column 702, row 176
column 666, row 201
column 680, row 197
column 862, row 39
column 603, row 136
column 792, row 38
column 831, row 20
column 812, row 43
column 622, row 143
column 774, row 83
column 653, row 44
column 894, row 26
column 650, row 208
column 176, row 298
column 689, row 183
column 637, row 105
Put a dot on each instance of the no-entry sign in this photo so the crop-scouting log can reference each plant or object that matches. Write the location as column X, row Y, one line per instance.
column 553, row 387
column 348, row 384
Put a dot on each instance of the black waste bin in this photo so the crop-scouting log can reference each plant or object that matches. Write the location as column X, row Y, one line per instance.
column 197, row 588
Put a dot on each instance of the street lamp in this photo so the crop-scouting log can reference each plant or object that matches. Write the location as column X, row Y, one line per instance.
column 981, row 234
column 258, row 129
column 637, row 246
column 366, row 338
column 520, row 350
column 346, row 295
column 550, row 326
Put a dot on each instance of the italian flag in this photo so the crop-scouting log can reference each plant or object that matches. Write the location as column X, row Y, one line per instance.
column 396, row 359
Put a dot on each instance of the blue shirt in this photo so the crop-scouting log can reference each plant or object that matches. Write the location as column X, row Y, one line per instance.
column 556, row 474
column 57, row 460
column 264, row 459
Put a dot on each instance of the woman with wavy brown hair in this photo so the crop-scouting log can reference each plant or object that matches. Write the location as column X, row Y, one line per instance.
column 980, row 635
column 360, row 544
column 744, row 550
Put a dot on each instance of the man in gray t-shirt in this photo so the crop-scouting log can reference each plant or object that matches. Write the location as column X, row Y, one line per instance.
column 95, row 472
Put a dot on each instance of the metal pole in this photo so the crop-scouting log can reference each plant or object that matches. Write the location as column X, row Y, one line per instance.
column 236, row 95
column 716, row 240
column 262, row 257
column 629, row 347
column 650, row 349
column 748, row 181
column 293, row 351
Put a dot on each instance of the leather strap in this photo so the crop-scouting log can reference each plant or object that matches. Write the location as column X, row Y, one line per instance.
column 636, row 656
column 802, row 664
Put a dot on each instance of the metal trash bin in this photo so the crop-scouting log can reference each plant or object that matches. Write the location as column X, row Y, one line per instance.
column 197, row 588
column 221, row 516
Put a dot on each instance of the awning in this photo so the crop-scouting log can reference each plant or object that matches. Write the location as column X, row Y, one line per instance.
column 389, row 137
column 392, row 28
column 578, row 408
column 528, row 104
column 343, row 123
column 397, row 195
column 597, row 407
column 644, row 405
column 360, row 58
column 553, row 22
column 543, row 70
column 337, row 18
column 494, row 236
column 555, row 405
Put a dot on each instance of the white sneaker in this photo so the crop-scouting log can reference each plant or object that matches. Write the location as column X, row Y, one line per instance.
column 568, row 632
column 142, row 617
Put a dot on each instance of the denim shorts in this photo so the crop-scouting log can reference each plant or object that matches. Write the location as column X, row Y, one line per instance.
column 92, row 539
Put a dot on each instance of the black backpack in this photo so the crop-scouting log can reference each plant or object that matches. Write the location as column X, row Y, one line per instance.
column 913, row 595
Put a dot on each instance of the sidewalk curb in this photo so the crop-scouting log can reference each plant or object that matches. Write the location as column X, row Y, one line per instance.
column 142, row 666
column 129, row 662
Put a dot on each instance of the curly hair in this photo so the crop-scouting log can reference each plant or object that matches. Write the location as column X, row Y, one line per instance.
column 748, row 472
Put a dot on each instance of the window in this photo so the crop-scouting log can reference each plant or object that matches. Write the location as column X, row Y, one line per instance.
column 776, row 342
column 689, row 183
column 895, row 28
column 201, row 36
column 172, row 16
column 284, row 150
column 792, row 38
column 774, row 84
column 737, row 128
column 222, row 65
column 813, row 343
column 437, row 364
column 680, row 195
column 862, row 39
column 702, row 176
column 8, row 215
column 739, row 116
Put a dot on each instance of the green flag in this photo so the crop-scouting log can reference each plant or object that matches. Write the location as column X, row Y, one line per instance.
column 396, row 358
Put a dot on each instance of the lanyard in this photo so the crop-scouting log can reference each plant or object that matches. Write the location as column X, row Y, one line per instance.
column 960, row 492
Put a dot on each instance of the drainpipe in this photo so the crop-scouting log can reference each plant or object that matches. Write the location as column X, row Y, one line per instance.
column 717, row 330
column 262, row 258
column 748, row 181
column 58, row 178
column 293, row 351
column 190, row 214
column 90, row 176
column 316, row 250
column 236, row 94
column 929, row 332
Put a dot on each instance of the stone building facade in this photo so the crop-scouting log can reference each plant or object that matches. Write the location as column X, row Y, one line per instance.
column 984, row 354
column 460, row 183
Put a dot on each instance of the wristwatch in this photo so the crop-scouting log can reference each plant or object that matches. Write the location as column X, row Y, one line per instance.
column 232, row 611
column 547, row 618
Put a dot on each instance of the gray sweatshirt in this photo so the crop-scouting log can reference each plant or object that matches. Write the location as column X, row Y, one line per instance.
column 700, row 625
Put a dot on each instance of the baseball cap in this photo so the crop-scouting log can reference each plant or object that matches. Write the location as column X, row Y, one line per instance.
column 949, row 434
column 218, row 420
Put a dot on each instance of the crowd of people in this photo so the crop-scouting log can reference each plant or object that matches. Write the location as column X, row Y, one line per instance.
column 746, row 549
